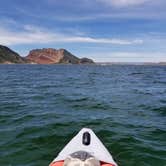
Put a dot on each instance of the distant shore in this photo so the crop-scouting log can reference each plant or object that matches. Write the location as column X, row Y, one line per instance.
column 132, row 63
column 96, row 64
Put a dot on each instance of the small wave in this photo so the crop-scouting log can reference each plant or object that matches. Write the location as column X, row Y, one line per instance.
column 136, row 73
column 77, row 99
column 161, row 110
column 163, row 101
column 91, row 106
column 159, row 82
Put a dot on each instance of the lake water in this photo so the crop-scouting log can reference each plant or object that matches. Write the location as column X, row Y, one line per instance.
column 43, row 106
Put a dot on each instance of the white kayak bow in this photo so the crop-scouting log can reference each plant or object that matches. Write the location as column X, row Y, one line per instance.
column 95, row 147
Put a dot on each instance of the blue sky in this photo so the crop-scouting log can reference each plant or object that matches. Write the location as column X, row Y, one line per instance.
column 104, row 30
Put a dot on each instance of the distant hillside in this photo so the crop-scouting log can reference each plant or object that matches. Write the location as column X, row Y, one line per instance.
column 53, row 56
column 41, row 56
column 7, row 56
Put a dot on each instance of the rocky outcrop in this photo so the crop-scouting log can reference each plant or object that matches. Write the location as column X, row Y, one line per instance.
column 7, row 56
column 53, row 56
column 86, row 61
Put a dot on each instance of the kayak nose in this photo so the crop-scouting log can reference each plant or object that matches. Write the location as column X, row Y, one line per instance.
column 86, row 138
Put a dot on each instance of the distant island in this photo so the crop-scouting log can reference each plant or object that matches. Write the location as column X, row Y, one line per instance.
column 41, row 56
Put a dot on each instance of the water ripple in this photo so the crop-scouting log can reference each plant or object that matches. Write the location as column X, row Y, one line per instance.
column 43, row 106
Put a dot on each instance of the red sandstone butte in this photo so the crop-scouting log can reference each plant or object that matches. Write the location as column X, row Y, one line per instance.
column 51, row 56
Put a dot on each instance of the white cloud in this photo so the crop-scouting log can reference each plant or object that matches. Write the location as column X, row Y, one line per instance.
column 123, row 3
column 35, row 35
column 128, row 56
column 109, row 9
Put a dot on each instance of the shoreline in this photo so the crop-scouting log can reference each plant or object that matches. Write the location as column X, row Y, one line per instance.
column 95, row 64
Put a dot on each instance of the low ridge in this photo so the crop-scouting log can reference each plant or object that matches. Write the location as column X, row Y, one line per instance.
column 8, row 56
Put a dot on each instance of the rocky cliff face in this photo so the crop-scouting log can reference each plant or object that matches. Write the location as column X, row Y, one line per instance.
column 53, row 56
column 41, row 56
column 7, row 56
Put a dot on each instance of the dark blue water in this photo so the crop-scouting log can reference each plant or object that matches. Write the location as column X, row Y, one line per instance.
column 43, row 106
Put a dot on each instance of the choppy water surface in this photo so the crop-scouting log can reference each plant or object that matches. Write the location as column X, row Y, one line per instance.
column 42, row 107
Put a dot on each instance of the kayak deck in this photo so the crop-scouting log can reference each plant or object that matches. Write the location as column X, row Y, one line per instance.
column 91, row 145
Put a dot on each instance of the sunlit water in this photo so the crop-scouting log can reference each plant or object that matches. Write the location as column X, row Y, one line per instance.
column 43, row 106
